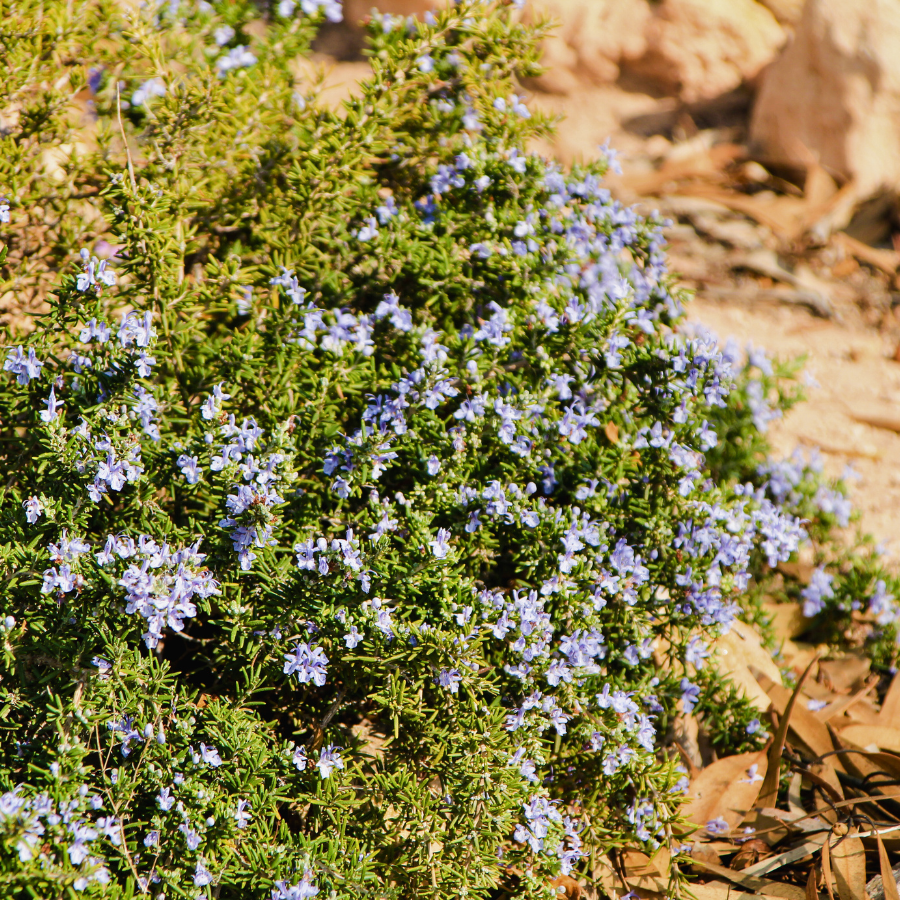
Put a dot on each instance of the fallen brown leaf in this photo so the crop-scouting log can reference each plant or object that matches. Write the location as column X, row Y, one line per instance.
column 890, row 709
column 808, row 847
column 759, row 885
column 751, row 852
column 720, row 890
column 844, row 674
column 787, row 620
column 725, row 790
column 887, row 876
column 841, row 704
column 878, row 735
column 848, row 857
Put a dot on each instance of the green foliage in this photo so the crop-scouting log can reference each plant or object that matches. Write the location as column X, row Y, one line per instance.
column 368, row 509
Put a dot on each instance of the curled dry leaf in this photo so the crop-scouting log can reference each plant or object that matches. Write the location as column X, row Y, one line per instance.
column 751, row 852
column 726, row 790
column 848, row 862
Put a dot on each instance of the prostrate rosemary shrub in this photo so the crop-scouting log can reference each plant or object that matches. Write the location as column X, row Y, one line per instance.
column 366, row 514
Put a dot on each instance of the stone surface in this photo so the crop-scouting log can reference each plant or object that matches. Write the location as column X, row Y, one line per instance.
column 700, row 49
column 786, row 11
column 834, row 94
column 590, row 41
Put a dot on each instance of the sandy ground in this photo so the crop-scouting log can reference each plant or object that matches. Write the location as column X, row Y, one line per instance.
column 849, row 416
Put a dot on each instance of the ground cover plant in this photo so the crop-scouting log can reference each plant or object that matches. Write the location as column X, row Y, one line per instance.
column 368, row 509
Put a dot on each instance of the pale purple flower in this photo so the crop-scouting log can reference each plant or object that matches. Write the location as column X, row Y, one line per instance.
column 353, row 638
column 202, row 875
column 817, row 592
column 24, row 368
column 51, row 412
column 752, row 775
column 303, row 890
column 329, row 760
column 210, row 756
column 450, row 679
column 308, row 663
column 189, row 468
column 690, row 694
column 34, row 509
column 238, row 57
column 242, row 814
column 95, row 274
column 439, row 546
column 299, row 758
column 153, row 87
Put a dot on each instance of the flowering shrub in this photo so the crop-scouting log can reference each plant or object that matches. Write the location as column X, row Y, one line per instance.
column 368, row 509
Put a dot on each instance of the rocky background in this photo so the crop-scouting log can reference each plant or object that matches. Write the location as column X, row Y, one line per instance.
column 768, row 131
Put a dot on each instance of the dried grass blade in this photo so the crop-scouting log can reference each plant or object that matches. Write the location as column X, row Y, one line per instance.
column 768, row 793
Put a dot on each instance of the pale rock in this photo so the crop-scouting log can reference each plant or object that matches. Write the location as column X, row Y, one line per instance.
column 700, row 49
column 834, row 94
column 786, row 11
column 590, row 41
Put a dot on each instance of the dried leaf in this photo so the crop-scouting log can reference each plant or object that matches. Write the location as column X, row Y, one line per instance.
column 890, row 709
column 845, row 674
column 886, row 260
column 874, row 767
column 611, row 430
column 842, row 704
column 890, row 886
column 759, row 885
column 751, row 852
column 719, row 890
column 868, row 735
column 725, row 789
column 604, row 872
column 848, row 857
column 808, row 847
column 787, row 620
column 812, row 892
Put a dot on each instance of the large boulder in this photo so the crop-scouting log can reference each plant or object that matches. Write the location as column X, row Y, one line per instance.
column 591, row 40
column 834, row 94
column 700, row 49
